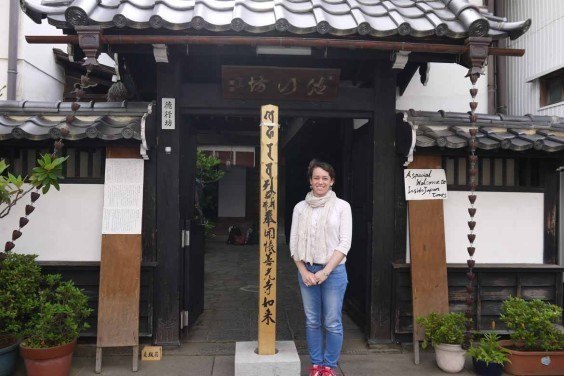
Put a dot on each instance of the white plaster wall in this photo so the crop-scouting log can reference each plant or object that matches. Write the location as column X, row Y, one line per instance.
column 65, row 226
column 232, row 193
column 509, row 227
column 446, row 89
column 37, row 85
column 39, row 77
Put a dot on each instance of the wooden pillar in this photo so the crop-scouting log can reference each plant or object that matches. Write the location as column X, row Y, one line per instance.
column 550, row 175
column 380, row 294
column 168, row 271
column 268, row 230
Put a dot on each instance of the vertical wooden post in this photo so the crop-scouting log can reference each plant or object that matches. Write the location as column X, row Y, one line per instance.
column 169, row 268
column 268, row 229
column 383, row 174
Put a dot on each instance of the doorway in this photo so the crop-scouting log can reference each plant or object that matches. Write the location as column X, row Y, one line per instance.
column 230, row 308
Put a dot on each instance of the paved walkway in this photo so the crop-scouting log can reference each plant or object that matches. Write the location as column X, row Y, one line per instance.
column 230, row 315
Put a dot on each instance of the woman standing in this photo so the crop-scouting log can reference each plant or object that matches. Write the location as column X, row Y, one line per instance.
column 320, row 239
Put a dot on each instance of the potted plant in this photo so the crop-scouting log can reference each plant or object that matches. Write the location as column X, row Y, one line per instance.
column 445, row 332
column 20, row 277
column 536, row 346
column 50, row 337
column 488, row 356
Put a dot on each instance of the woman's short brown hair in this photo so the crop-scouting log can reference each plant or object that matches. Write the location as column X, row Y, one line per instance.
column 323, row 165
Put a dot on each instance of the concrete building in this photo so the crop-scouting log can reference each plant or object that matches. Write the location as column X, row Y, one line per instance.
column 31, row 70
column 535, row 84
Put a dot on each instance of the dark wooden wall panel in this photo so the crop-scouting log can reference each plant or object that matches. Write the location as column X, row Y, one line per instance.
column 86, row 276
column 493, row 284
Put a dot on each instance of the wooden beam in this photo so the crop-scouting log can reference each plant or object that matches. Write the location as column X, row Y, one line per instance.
column 551, row 203
column 380, row 299
column 168, row 271
column 362, row 44
column 292, row 130
column 405, row 76
column 349, row 103
column 149, row 233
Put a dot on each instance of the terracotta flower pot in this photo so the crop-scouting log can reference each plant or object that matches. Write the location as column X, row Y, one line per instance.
column 533, row 362
column 52, row 361
column 450, row 358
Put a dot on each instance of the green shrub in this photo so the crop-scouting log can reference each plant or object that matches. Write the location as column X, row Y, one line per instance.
column 446, row 328
column 489, row 350
column 20, row 278
column 532, row 323
column 63, row 309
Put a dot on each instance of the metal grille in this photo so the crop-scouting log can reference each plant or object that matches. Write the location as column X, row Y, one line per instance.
column 85, row 165
column 495, row 174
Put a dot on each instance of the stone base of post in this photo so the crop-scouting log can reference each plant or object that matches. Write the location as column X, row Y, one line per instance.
column 285, row 362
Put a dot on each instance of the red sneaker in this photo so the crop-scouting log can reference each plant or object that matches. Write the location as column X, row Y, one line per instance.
column 316, row 370
column 327, row 371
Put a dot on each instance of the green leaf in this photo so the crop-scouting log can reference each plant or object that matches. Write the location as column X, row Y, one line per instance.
column 3, row 166
column 59, row 161
column 45, row 188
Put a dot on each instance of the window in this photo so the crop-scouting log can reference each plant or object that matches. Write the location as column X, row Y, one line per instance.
column 509, row 174
column 84, row 165
column 552, row 88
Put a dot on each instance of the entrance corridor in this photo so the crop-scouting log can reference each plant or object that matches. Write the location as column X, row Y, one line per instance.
column 231, row 300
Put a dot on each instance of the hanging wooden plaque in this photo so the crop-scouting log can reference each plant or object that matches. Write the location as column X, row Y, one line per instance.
column 309, row 84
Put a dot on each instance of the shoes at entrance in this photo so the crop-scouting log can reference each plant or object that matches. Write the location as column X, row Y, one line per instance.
column 327, row 371
column 316, row 370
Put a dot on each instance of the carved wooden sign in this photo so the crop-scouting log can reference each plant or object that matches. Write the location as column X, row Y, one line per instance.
column 310, row 84
column 268, row 229
column 152, row 353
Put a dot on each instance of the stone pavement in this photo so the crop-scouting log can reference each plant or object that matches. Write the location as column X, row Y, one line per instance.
column 230, row 315
column 219, row 361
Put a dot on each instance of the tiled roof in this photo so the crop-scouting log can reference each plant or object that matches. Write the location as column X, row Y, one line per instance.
column 379, row 18
column 43, row 120
column 519, row 133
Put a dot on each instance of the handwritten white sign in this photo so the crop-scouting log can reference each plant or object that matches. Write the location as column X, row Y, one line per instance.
column 425, row 184
column 168, row 117
column 123, row 196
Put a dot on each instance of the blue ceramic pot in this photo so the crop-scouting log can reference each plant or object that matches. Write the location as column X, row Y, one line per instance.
column 8, row 357
column 483, row 369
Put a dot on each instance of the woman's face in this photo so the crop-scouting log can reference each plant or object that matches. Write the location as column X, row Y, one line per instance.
column 320, row 181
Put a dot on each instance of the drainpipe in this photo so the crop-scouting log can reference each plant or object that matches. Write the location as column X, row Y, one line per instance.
column 13, row 49
column 492, row 72
column 501, row 77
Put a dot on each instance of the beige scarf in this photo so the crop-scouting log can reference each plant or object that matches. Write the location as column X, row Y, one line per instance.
column 305, row 248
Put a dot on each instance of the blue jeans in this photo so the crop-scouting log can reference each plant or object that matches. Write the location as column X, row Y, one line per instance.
column 323, row 305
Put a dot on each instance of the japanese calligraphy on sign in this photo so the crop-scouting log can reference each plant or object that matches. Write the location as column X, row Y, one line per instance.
column 268, row 229
column 309, row 84
column 168, row 108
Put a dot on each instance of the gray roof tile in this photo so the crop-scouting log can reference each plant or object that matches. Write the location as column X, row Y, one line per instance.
column 518, row 133
column 418, row 18
column 42, row 120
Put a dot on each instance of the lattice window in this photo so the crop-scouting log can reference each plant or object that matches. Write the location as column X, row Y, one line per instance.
column 503, row 174
column 84, row 165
